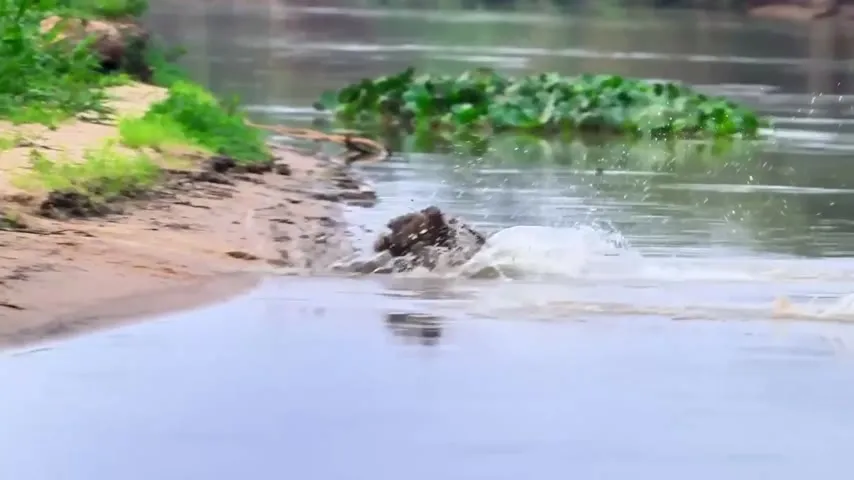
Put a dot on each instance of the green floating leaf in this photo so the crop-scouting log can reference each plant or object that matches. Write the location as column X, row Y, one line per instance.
column 465, row 113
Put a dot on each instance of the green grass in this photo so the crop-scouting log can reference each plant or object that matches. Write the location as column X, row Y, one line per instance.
column 157, row 132
column 9, row 141
column 191, row 116
column 163, row 61
column 107, row 8
column 191, row 112
column 42, row 81
column 115, row 80
column 105, row 174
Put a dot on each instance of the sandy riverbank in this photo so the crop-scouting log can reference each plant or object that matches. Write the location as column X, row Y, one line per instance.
column 194, row 242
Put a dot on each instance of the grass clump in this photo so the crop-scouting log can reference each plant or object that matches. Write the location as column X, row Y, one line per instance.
column 11, row 221
column 163, row 61
column 190, row 113
column 10, row 141
column 111, row 9
column 481, row 102
column 42, row 80
column 115, row 80
column 156, row 131
column 104, row 175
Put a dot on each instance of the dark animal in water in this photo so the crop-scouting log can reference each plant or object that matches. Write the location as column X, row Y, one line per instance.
column 427, row 237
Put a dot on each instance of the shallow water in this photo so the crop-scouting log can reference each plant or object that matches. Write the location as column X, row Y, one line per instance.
column 689, row 324
column 374, row 382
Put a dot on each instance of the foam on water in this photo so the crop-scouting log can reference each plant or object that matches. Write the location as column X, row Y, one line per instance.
column 588, row 252
column 560, row 272
column 543, row 252
column 838, row 309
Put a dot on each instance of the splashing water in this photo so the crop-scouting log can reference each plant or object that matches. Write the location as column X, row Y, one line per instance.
column 548, row 252
column 589, row 252
column 564, row 271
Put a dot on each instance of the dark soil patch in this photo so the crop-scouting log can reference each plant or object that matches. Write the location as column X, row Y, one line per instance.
column 69, row 204
column 254, row 168
column 219, row 164
column 219, row 170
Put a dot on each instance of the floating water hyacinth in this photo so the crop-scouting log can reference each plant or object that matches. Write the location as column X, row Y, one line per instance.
column 481, row 101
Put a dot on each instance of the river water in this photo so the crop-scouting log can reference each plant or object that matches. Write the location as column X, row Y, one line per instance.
column 692, row 323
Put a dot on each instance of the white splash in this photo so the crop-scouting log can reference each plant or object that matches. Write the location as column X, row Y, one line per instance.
column 566, row 272
column 570, row 270
column 548, row 252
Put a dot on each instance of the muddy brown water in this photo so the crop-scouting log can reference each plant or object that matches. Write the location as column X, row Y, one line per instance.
column 694, row 324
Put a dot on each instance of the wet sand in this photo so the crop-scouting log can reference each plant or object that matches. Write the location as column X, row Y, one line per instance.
column 194, row 242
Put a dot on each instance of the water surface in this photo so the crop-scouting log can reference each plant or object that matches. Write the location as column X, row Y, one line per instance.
column 687, row 323
column 370, row 384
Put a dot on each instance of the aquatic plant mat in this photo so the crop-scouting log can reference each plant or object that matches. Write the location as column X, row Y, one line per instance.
column 481, row 102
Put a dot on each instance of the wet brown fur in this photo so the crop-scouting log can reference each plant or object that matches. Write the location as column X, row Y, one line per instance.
column 426, row 231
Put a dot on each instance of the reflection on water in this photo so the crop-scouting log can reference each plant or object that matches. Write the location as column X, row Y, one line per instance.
column 423, row 328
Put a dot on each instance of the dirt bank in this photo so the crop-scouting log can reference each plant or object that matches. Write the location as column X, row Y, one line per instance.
column 193, row 240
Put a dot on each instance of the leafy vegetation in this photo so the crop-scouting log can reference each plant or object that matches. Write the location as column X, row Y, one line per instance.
column 105, row 8
column 157, row 132
column 104, row 174
column 192, row 115
column 163, row 61
column 481, row 102
column 9, row 141
column 42, row 81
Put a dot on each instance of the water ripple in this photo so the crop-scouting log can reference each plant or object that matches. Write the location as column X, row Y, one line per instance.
column 361, row 48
